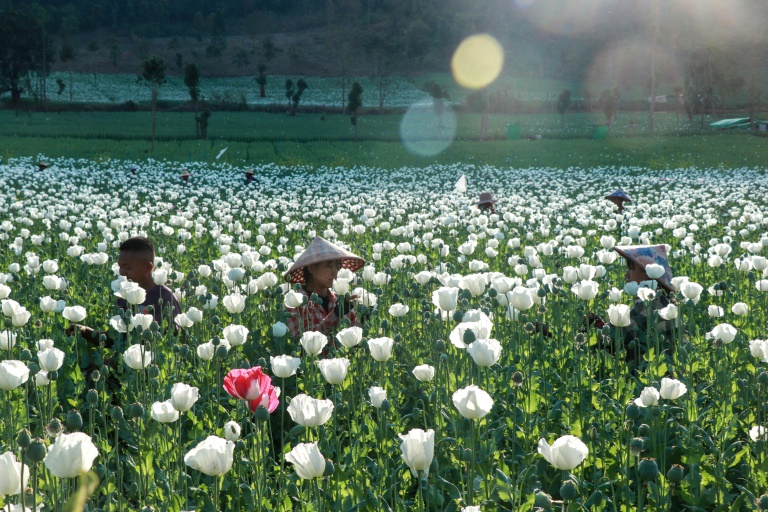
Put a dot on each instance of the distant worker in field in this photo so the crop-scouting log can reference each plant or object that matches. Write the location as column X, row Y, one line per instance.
column 651, row 320
column 487, row 202
column 136, row 262
column 315, row 270
column 618, row 197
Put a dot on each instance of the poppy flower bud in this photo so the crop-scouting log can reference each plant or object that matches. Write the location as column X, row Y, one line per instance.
column 23, row 439
column 644, row 430
column 569, row 490
column 542, row 500
column 648, row 470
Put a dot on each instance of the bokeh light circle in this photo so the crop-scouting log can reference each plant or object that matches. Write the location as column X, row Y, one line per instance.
column 477, row 61
column 426, row 133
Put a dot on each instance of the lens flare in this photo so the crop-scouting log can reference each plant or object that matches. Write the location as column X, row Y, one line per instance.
column 427, row 128
column 477, row 61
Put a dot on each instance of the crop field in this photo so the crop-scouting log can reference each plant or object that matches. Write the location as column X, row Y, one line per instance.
column 478, row 380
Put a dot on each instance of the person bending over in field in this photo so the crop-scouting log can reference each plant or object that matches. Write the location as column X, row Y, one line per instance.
column 315, row 270
column 618, row 197
column 647, row 327
column 487, row 203
column 136, row 262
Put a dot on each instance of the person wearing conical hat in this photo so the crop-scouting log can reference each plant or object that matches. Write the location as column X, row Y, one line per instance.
column 618, row 197
column 487, row 202
column 648, row 268
column 315, row 270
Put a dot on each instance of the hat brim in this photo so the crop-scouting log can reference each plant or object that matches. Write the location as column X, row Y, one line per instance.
column 644, row 255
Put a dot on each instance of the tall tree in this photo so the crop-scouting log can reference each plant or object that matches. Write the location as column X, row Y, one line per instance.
column 192, row 81
column 153, row 76
column 261, row 79
column 354, row 102
column 563, row 102
column 22, row 50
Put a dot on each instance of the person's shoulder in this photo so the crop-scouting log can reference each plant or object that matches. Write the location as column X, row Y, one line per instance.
column 167, row 294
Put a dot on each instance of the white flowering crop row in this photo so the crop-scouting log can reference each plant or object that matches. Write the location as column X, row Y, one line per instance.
column 478, row 379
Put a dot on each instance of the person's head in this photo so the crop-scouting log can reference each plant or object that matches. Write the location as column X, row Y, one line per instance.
column 635, row 273
column 322, row 274
column 137, row 259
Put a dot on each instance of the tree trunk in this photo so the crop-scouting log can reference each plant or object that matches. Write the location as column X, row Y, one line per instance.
column 154, row 116
column 15, row 93
column 652, row 108
column 262, row 91
column 70, row 86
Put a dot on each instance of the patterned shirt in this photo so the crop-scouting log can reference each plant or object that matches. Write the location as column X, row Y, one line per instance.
column 315, row 317
column 647, row 334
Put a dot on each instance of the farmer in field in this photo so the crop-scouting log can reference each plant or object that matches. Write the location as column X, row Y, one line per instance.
column 618, row 197
column 137, row 261
column 648, row 267
column 315, row 270
column 487, row 202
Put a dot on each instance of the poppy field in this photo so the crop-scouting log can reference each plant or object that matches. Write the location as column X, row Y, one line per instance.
column 476, row 382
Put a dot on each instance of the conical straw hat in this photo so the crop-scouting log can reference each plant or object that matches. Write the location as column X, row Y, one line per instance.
column 318, row 251
column 619, row 194
column 644, row 255
column 486, row 197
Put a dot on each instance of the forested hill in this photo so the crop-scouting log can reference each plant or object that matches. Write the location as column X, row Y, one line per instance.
column 558, row 39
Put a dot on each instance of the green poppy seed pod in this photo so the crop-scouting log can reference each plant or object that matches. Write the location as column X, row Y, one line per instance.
column 644, row 430
column 154, row 327
column 517, row 379
column 23, row 439
column 136, row 410
column 458, row 316
column 633, row 411
column 117, row 413
column 523, row 317
column 606, row 330
column 147, row 335
column 439, row 346
column 201, row 299
column 153, row 371
column 221, row 352
column 8, row 323
column 529, row 327
column 385, row 405
column 434, row 467
column 723, row 285
column 716, row 287
column 443, row 358
column 466, row 455
column 569, row 490
column 240, row 445
column 762, row 378
column 329, row 468
column 215, row 320
column 104, row 370
column 762, row 502
column 315, row 298
column 195, row 282
column 579, row 338
column 469, row 336
column 495, row 302
column 95, row 375
column 690, row 304
column 184, row 351
column 26, row 355
column 92, row 397
column 385, row 324
column 751, row 275
column 636, row 446
column 262, row 414
column 542, row 500
column 53, row 375
column 492, row 293
column 73, row 421
column 655, row 412
column 261, row 362
column 397, row 338
column 675, row 473
column 149, row 310
column 464, row 303
column 36, row 451
column 33, row 368
column 541, row 292
column 648, row 470
column 102, row 338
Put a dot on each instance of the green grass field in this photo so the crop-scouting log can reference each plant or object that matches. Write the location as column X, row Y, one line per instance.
column 314, row 140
